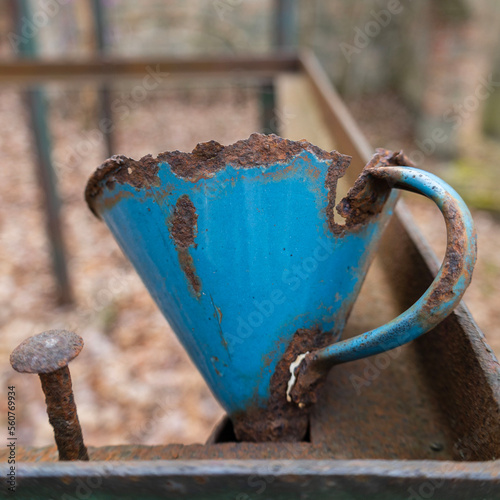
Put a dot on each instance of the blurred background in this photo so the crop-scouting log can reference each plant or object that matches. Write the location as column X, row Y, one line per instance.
column 420, row 76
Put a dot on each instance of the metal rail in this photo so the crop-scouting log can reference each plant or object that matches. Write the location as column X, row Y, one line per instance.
column 112, row 68
column 37, row 109
column 280, row 479
column 99, row 12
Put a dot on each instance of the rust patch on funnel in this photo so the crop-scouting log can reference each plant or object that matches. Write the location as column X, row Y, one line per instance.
column 184, row 223
column 367, row 197
column 258, row 150
column 206, row 159
column 335, row 171
column 137, row 173
column 187, row 265
column 183, row 228
column 281, row 420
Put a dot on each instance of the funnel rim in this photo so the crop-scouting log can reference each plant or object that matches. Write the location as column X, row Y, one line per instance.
column 207, row 158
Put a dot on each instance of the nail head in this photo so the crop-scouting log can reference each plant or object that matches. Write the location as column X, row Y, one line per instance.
column 46, row 352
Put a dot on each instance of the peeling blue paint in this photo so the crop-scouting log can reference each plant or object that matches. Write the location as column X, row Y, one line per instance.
column 265, row 257
column 268, row 265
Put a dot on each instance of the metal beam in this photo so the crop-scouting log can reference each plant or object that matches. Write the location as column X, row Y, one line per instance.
column 285, row 24
column 267, row 100
column 98, row 9
column 290, row 479
column 35, row 102
column 111, row 68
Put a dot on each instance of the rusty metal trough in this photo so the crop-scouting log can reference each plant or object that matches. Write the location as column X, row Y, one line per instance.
column 420, row 422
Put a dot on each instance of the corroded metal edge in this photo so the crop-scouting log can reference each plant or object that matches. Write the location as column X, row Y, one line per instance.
column 359, row 479
column 207, row 158
column 407, row 468
column 229, row 450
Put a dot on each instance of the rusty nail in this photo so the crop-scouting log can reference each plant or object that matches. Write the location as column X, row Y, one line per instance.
column 48, row 355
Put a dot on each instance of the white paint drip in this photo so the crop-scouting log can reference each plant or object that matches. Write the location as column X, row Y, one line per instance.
column 293, row 378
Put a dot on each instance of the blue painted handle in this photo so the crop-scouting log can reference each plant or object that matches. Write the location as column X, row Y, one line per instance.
column 435, row 304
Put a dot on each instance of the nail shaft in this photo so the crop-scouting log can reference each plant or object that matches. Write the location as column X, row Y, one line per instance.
column 63, row 417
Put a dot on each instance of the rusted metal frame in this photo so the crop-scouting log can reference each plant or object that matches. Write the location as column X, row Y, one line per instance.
column 267, row 98
column 410, row 265
column 285, row 24
column 35, row 102
column 111, row 68
column 99, row 13
column 277, row 478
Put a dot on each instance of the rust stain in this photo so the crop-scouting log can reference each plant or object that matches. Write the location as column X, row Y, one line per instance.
column 335, row 171
column 111, row 201
column 205, row 160
column 257, row 151
column 219, row 314
column 454, row 263
column 137, row 173
column 280, row 174
column 184, row 223
column 281, row 420
column 183, row 229
column 219, row 451
column 187, row 265
column 367, row 197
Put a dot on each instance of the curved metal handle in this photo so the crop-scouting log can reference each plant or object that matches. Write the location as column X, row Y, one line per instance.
column 435, row 304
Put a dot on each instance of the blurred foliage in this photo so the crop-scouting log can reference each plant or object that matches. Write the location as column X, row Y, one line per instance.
column 452, row 10
column 476, row 175
column 491, row 116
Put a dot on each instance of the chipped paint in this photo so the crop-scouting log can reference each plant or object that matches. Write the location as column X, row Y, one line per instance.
column 183, row 231
column 263, row 207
